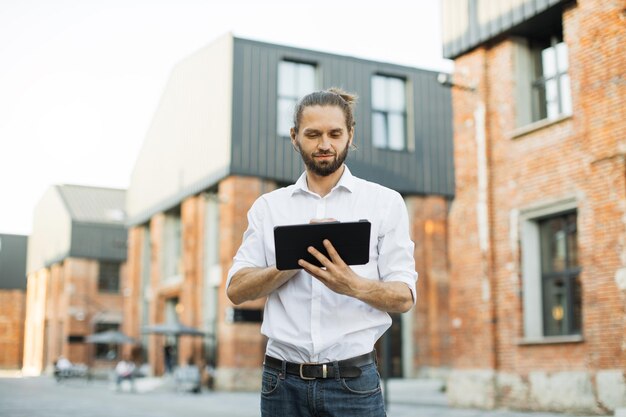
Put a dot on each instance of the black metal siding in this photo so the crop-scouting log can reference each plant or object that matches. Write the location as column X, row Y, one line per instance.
column 257, row 150
column 13, row 250
column 98, row 241
column 477, row 33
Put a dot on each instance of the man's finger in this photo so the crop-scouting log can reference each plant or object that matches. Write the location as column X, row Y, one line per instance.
column 332, row 252
column 314, row 270
column 319, row 256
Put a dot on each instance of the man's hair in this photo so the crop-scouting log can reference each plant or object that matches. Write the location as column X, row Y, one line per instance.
column 333, row 96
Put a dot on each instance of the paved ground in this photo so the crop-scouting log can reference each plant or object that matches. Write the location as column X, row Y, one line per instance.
column 42, row 397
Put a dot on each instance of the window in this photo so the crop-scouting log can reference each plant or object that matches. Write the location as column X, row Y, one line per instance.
column 543, row 83
column 107, row 351
column 561, row 293
column 109, row 276
column 550, row 272
column 73, row 338
column 389, row 113
column 295, row 80
column 247, row 315
column 551, row 87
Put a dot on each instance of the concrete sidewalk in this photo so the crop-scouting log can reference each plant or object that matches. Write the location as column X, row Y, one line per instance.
column 157, row 397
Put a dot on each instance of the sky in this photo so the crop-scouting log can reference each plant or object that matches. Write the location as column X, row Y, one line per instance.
column 80, row 79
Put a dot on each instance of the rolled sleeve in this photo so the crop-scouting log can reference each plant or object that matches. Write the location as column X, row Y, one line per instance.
column 395, row 247
column 251, row 253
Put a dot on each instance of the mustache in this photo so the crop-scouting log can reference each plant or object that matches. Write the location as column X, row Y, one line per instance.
column 323, row 153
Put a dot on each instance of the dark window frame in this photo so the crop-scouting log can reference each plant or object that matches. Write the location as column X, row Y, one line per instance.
column 106, row 270
column 385, row 113
column 291, row 97
column 564, row 318
column 102, row 351
column 540, row 100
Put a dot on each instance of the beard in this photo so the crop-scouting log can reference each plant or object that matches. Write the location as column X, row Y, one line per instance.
column 325, row 167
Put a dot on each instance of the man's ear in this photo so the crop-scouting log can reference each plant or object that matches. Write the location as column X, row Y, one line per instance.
column 292, row 134
column 351, row 134
column 294, row 142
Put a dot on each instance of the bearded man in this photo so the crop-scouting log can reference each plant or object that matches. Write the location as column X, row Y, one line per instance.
column 322, row 322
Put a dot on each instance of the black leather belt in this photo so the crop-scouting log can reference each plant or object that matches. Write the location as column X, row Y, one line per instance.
column 348, row 368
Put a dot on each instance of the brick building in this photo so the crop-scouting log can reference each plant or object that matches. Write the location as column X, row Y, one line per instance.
column 220, row 138
column 12, row 299
column 76, row 256
column 538, row 276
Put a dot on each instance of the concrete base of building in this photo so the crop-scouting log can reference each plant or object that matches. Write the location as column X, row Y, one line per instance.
column 238, row 379
column 568, row 392
column 436, row 373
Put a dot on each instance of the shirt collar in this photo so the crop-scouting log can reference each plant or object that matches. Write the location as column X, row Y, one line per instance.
column 346, row 181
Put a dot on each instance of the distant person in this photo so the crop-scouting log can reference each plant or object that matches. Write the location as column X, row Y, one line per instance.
column 209, row 370
column 168, row 358
column 124, row 371
column 62, row 368
column 322, row 322
column 188, row 377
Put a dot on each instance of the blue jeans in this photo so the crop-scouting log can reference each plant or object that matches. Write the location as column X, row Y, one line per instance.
column 287, row 395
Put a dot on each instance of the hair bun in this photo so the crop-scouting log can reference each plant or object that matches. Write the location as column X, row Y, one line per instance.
column 349, row 98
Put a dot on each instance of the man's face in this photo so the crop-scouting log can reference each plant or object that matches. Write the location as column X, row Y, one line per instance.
column 323, row 139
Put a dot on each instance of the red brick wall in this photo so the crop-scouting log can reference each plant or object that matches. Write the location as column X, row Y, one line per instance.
column 132, row 291
column 189, row 290
column 155, row 313
column 192, row 217
column 240, row 345
column 12, row 311
column 431, row 322
column 581, row 156
column 471, row 312
column 595, row 28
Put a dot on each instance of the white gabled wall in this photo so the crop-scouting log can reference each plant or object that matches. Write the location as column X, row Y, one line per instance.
column 52, row 230
column 189, row 139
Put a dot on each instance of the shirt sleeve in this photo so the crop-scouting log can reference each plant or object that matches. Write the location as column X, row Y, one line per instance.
column 395, row 247
column 251, row 253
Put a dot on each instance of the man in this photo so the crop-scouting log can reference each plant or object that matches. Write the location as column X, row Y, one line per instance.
column 322, row 323
column 124, row 370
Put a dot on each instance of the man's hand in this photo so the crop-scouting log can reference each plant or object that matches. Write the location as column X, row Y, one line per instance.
column 335, row 274
column 393, row 296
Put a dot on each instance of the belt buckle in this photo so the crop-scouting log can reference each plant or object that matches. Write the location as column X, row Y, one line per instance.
column 302, row 375
column 324, row 371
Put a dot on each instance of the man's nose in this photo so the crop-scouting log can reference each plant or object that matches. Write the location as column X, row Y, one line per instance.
column 324, row 142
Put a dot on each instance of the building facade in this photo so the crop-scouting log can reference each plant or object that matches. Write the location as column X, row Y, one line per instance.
column 538, row 276
column 76, row 256
column 220, row 139
column 12, row 299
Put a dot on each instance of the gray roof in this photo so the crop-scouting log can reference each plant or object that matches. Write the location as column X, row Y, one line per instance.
column 94, row 204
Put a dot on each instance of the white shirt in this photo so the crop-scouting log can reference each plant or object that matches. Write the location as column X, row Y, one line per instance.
column 303, row 319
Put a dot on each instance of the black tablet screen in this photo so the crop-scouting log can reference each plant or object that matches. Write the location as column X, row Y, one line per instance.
column 350, row 239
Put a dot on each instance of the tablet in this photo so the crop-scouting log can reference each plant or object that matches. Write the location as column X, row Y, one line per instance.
column 350, row 239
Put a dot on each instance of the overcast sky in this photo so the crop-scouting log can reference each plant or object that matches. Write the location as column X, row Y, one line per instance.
column 80, row 79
